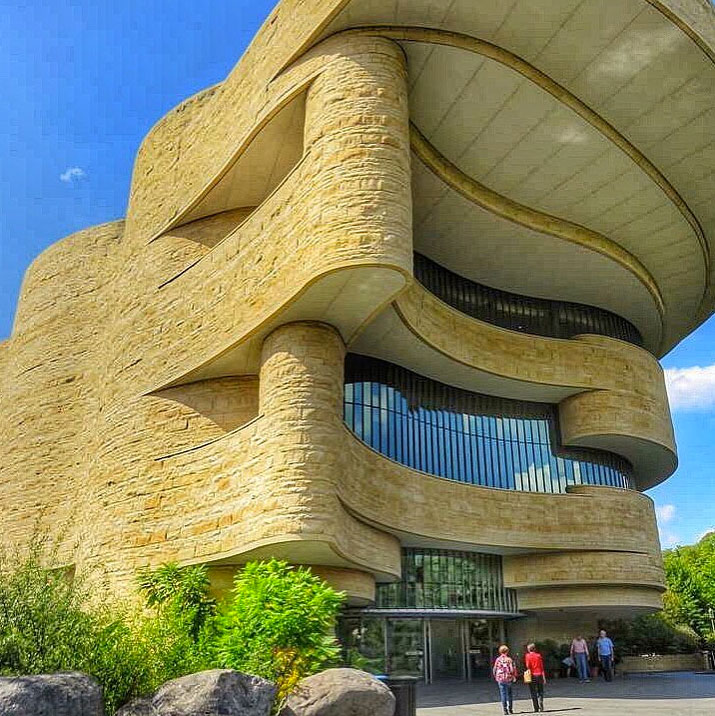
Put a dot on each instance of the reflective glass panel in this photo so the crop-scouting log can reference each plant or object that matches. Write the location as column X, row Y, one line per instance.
column 469, row 437
column 448, row 579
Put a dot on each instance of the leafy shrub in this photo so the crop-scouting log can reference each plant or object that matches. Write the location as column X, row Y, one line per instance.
column 279, row 624
column 180, row 594
column 43, row 623
column 651, row 634
column 52, row 620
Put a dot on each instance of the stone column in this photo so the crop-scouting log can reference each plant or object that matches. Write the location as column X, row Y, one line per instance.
column 301, row 381
column 300, row 397
column 357, row 133
column 301, row 400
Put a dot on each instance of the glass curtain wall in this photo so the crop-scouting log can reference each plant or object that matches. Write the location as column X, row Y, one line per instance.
column 448, row 579
column 538, row 316
column 423, row 647
column 469, row 437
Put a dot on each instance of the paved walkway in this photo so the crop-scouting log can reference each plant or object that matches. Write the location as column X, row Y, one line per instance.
column 636, row 695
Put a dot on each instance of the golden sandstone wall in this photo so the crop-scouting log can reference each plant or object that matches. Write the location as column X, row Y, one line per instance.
column 164, row 471
column 172, row 390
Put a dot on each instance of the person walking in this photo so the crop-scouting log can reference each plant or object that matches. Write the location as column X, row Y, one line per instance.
column 535, row 664
column 606, row 654
column 505, row 674
column 579, row 653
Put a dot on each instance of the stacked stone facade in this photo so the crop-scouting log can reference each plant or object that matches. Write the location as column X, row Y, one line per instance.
column 173, row 385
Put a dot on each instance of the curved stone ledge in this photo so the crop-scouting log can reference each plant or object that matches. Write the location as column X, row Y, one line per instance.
column 349, row 223
column 184, row 155
column 546, row 83
column 603, row 598
column 442, row 511
column 235, row 499
column 611, row 393
column 585, row 568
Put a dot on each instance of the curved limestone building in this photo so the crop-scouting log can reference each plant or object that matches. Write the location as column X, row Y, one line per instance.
column 389, row 302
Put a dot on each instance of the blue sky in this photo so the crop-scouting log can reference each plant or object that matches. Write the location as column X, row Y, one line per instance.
column 83, row 81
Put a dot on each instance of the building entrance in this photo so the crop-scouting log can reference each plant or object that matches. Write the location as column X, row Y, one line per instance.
column 431, row 648
column 446, row 649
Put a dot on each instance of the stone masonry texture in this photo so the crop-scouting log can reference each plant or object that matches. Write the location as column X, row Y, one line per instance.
column 173, row 385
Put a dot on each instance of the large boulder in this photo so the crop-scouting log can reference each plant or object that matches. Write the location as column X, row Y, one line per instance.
column 64, row 694
column 218, row 692
column 340, row 692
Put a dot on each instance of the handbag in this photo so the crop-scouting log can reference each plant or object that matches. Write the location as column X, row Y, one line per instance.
column 527, row 676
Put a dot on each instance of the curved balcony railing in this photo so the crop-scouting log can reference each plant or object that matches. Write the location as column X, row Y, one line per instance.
column 538, row 316
column 469, row 437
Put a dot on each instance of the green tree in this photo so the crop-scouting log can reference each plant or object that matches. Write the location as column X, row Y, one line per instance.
column 279, row 624
column 181, row 594
column 690, row 579
column 650, row 634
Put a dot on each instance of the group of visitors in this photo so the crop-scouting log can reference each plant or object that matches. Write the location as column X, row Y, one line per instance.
column 506, row 672
column 580, row 655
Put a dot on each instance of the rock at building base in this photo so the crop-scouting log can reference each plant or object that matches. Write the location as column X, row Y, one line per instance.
column 218, row 692
column 63, row 694
column 340, row 692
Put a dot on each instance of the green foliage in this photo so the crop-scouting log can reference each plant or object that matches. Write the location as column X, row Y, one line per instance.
column 690, row 578
column 134, row 653
column 650, row 634
column 53, row 620
column 180, row 594
column 279, row 624
column 553, row 653
column 42, row 620
column 355, row 659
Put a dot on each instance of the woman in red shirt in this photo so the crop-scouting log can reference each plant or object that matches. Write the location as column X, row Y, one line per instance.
column 535, row 663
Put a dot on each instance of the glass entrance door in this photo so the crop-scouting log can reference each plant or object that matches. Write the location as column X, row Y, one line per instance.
column 405, row 647
column 426, row 647
column 479, row 653
column 446, row 649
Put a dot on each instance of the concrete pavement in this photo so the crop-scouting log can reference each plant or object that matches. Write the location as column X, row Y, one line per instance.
column 682, row 694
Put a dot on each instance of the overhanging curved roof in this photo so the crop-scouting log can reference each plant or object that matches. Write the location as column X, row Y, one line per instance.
column 564, row 148
column 561, row 148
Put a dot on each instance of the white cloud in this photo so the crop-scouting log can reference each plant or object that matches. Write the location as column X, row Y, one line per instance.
column 72, row 174
column 708, row 531
column 691, row 388
column 540, row 478
column 665, row 513
column 669, row 539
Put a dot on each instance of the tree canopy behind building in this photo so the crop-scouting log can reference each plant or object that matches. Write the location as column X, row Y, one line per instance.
column 690, row 578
